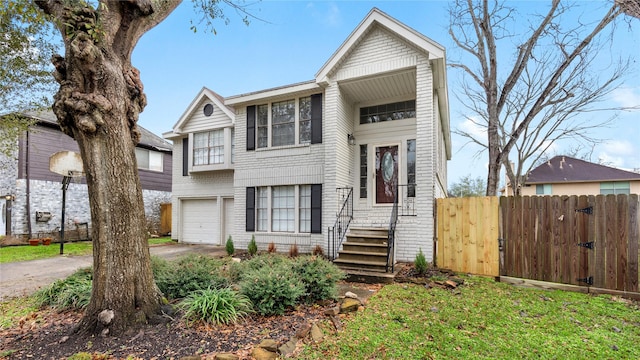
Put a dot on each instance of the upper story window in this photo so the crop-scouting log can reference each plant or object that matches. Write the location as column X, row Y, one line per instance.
column 305, row 120
column 388, row 112
column 619, row 187
column 208, row 147
column 543, row 189
column 284, row 123
column 283, row 116
column 149, row 159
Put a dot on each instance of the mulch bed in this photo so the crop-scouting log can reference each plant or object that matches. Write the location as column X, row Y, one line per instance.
column 49, row 335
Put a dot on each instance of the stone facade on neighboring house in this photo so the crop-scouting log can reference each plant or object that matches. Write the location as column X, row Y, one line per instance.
column 36, row 210
column 274, row 164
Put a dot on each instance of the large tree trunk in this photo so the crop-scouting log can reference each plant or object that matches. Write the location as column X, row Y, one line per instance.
column 98, row 104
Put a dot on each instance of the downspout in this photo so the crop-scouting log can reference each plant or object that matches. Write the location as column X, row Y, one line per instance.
column 28, row 191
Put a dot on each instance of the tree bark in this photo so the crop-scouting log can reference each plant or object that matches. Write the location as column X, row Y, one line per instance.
column 98, row 103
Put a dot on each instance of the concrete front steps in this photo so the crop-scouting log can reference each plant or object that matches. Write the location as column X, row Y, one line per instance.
column 364, row 255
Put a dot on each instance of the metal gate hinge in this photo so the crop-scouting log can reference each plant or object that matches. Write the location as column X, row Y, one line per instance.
column 588, row 245
column 587, row 210
column 587, row 280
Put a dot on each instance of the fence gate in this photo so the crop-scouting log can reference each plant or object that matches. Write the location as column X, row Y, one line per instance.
column 577, row 240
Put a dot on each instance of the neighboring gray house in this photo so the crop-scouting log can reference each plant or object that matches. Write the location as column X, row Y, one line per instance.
column 31, row 200
column 279, row 164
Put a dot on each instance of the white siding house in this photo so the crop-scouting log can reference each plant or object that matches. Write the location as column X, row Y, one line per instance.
column 274, row 163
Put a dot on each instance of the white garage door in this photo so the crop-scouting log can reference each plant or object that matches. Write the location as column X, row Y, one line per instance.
column 200, row 222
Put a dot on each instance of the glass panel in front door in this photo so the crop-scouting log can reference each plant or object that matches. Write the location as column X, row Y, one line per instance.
column 386, row 173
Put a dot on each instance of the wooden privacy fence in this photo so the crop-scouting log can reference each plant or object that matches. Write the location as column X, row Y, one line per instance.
column 586, row 241
column 467, row 235
column 576, row 240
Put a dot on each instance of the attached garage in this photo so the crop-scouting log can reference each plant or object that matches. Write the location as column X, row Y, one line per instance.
column 200, row 221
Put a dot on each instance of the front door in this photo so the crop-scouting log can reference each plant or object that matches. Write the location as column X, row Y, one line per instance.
column 386, row 173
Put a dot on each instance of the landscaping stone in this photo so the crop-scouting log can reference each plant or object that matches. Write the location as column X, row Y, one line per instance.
column 316, row 334
column 351, row 295
column 304, row 331
column 269, row 345
column 289, row 347
column 332, row 311
column 259, row 353
column 349, row 305
column 226, row 356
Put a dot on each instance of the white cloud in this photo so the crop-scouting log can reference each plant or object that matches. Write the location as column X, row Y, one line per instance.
column 332, row 17
column 470, row 126
column 620, row 154
column 626, row 97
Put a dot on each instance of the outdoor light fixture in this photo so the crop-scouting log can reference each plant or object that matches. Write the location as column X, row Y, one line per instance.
column 351, row 139
column 8, row 197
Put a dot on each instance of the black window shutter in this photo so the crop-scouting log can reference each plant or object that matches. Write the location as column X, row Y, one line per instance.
column 251, row 127
column 251, row 209
column 316, row 119
column 316, row 208
column 185, row 156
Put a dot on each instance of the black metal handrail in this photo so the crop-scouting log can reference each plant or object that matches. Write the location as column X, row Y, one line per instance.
column 392, row 233
column 407, row 199
column 337, row 233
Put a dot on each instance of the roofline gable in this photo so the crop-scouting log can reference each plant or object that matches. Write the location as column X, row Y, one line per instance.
column 213, row 97
column 376, row 16
column 597, row 172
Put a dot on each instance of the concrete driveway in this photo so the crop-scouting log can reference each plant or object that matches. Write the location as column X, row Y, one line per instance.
column 24, row 278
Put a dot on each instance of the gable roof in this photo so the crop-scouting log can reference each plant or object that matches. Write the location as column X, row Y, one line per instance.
column 565, row 169
column 212, row 96
column 147, row 138
column 377, row 17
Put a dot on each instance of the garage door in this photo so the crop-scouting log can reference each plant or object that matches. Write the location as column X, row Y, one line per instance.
column 200, row 222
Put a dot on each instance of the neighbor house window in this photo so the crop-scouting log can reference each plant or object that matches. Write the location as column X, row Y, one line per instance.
column 149, row 159
column 543, row 189
column 262, row 209
column 411, row 168
column 388, row 112
column 283, row 116
column 305, row 119
column 208, row 147
column 283, row 208
column 305, row 209
column 363, row 171
column 263, row 125
column 620, row 187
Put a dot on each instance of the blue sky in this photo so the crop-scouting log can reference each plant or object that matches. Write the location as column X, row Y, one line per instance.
column 298, row 37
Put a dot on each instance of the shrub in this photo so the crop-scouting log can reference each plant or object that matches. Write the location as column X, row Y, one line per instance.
column 317, row 251
column 216, row 306
column 237, row 270
column 179, row 278
column 319, row 276
column 272, row 289
column 271, row 249
column 420, row 263
column 293, row 251
column 229, row 246
column 253, row 247
column 73, row 292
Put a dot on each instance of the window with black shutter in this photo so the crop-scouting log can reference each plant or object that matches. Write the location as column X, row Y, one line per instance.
column 185, row 157
column 251, row 127
column 251, row 209
column 316, row 208
column 316, row 119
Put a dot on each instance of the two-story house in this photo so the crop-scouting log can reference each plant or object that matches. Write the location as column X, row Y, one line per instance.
column 306, row 163
column 31, row 202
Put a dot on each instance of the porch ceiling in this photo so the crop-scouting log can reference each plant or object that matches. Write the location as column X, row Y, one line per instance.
column 370, row 89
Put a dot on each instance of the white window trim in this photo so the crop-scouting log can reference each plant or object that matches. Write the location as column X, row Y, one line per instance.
column 296, row 212
column 296, row 130
column 225, row 165
column 148, row 151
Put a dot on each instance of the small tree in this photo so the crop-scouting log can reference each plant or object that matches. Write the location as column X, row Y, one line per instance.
column 229, row 246
column 421, row 263
column 253, row 247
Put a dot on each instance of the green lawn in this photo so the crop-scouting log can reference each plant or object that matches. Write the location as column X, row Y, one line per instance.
column 27, row 252
column 485, row 320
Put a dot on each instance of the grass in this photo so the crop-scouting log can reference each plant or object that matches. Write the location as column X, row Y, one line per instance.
column 27, row 252
column 485, row 320
column 15, row 309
